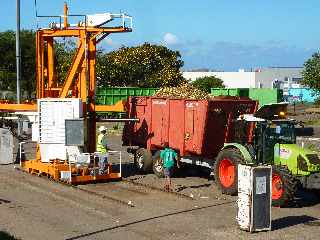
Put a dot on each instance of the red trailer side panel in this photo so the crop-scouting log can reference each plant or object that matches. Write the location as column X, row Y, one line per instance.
column 137, row 133
column 195, row 120
column 177, row 125
column 215, row 129
column 159, row 121
column 198, row 127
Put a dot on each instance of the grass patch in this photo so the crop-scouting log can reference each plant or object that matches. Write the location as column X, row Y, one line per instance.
column 116, row 126
column 312, row 122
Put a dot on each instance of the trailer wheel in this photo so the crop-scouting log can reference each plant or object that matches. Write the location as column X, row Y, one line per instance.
column 157, row 165
column 143, row 160
column 226, row 170
column 284, row 186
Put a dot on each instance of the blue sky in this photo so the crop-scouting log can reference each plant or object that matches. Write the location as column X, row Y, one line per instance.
column 215, row 34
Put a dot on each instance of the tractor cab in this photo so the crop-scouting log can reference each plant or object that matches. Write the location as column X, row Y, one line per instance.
column 271, row 134
column 266, row 128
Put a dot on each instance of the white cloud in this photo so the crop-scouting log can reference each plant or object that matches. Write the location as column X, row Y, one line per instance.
column 170, row 39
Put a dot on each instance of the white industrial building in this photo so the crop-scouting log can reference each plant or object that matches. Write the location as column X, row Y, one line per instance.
column 272, row 77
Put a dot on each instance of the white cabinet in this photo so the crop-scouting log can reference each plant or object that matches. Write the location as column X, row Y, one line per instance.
column 53, row 113
column 254, row 198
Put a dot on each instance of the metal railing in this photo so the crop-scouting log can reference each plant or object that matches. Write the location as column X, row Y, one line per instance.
column 84, row 22
column 89, row 160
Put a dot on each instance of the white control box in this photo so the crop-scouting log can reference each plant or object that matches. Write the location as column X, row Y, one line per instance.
column 254, row 197
column 53, row 113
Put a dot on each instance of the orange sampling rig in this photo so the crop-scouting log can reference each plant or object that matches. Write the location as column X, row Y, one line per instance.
column 64, row 117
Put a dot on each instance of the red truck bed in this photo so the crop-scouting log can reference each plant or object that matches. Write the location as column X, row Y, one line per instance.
column 196, row 127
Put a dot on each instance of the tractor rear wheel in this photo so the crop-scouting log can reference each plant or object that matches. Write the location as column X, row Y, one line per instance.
column 283, row 186
column 157, row 165
column 143, row 160
column 226, row 170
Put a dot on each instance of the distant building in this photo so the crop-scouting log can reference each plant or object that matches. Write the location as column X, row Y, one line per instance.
column 280, row 77
column 271, row 77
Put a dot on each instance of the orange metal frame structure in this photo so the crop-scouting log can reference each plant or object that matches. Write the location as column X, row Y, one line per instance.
column 80, row 83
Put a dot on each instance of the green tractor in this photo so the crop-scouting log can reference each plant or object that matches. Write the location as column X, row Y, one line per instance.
column 272, row 142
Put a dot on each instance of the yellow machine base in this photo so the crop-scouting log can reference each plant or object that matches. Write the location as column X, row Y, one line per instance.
column 54, row 169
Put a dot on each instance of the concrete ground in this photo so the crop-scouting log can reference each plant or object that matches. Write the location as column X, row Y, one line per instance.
column 33, row 207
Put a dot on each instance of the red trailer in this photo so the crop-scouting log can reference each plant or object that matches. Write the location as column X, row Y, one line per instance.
column 196, row 129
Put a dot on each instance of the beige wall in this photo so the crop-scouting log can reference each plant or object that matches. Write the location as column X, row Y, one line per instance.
column 264, row 78
column 230, row 79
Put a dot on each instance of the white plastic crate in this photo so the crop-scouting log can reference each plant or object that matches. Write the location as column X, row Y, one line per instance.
column 65, row 175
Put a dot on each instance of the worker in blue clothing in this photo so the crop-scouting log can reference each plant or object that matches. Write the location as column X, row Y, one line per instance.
column 168, row 156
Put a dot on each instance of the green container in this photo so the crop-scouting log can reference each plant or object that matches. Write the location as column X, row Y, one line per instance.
column 235, row 92
column 112, row 95
column 263, row 95
column 266, row 96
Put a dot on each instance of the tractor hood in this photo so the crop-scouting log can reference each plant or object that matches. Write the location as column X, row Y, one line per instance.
column 301, row 161
column 272, row 111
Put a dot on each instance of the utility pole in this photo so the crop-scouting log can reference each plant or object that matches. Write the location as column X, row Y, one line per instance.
column 18, row 58
column 18, row 52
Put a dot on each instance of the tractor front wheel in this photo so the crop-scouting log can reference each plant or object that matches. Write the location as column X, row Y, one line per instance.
column 283, row 186
column 226, row 170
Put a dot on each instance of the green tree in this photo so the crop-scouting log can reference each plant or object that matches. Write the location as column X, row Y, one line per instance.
column 311, row 72
column 142, row 66
column 8, row 61
column 28, row 62
column 208, row 82
column 64, row 52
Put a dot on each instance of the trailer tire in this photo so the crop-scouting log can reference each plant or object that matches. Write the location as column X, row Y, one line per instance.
column 226, row 170
column 284, row 186
column 157, row 165
column 143, row 160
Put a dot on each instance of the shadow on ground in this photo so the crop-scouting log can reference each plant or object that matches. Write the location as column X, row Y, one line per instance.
column 187, row 170
column 304, row 132
column 129, row 169
column 305, row 198
column 290, row 221
column 6, row 236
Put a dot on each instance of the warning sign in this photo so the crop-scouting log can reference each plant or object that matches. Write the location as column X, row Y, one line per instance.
column 285, row 153
column 261, row 185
